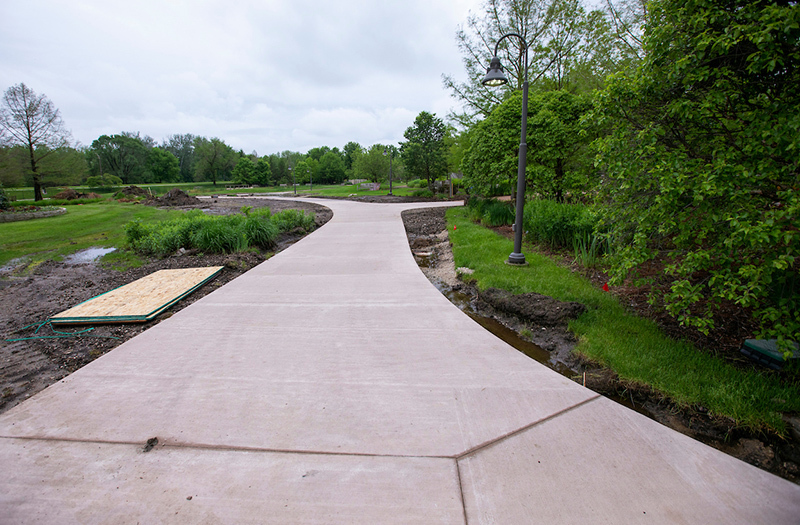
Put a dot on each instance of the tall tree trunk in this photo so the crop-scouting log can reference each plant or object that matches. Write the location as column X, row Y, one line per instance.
column 559, row 180
column 37, row 185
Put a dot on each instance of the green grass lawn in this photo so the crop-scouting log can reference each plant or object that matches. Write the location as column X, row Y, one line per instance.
column 99, row 224
column 633, row 347
column 208, row 188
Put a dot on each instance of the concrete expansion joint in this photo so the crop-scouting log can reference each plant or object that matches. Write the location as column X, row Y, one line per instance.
column 496, row 441
column 156, row 443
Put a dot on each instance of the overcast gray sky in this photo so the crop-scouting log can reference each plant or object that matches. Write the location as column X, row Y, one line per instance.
column 266, row 75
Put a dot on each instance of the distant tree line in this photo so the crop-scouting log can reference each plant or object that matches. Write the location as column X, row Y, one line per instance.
column 131, row 158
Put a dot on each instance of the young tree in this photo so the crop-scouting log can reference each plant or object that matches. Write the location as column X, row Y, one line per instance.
column 550, row 27
column 263, row 173
column 303, row 171
column 32, row 121
column 424, row 152
column 372, row 165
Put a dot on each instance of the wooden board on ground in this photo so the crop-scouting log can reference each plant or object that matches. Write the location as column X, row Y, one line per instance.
column 140, row 300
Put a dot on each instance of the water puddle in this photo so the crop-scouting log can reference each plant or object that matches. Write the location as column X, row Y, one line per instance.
column 465, row 303
column 423, row 259
column 88, row 255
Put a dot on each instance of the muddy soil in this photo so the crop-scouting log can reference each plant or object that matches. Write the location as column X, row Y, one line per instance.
column 543, row 321
column 28, row 296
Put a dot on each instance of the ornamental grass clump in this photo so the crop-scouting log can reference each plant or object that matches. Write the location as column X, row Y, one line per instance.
column 288, row 220
column 226, row 234
column 490, row 212
column 558, row 224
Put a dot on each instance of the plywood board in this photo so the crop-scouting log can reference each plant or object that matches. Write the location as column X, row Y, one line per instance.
column 140, row 300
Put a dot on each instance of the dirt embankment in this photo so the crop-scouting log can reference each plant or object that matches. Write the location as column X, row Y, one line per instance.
column 543, row 321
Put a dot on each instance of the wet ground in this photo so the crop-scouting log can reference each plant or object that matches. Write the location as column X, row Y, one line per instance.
column 33, row 356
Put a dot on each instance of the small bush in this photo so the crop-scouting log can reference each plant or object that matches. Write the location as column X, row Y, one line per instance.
column 220, row 236
column 425, row 193
column 490, row 212
column 106, row 180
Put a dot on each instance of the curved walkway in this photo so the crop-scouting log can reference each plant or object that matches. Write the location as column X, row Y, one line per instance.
column 334, row 384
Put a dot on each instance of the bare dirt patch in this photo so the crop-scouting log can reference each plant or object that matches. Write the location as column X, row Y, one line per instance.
column 29, row 296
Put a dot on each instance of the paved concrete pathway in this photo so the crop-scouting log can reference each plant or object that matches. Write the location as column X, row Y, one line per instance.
column 334, row 384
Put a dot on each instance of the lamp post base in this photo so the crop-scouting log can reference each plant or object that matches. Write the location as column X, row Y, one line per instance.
column 517, row 259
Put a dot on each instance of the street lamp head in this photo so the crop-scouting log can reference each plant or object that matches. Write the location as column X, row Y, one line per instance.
column 494, row 75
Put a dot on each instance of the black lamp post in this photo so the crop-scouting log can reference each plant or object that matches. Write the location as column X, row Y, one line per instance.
column 495, row 77
column 294, row 183
column 388, row 151
column 310, row 178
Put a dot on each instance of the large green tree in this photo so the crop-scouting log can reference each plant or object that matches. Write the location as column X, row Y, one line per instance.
column 558, row 161
column 331, row 168
column 351, row 150
column 372, row 164
column 163, row 165
column 244, row 172
column 424, row 151
column 215, row 160
column 263, row 173
column 703, row 160
column 182, row 146
column 124, row 155
column 60, row 167
column 33, row 122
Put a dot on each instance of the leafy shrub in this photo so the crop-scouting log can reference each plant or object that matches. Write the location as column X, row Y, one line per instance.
column 701, row 161
column 490, row 212
column 426, row 193
column 106, row 180
column 558, row 224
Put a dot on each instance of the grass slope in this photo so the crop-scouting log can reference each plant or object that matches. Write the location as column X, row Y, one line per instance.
column 99, row 224
column 633, row 347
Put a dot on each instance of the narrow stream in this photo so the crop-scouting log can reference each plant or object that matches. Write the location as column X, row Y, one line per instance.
column 465, row 303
